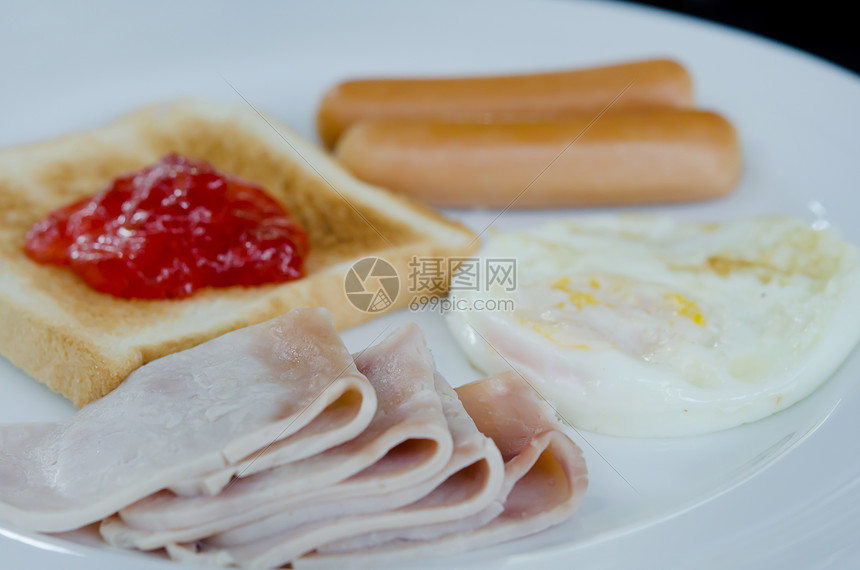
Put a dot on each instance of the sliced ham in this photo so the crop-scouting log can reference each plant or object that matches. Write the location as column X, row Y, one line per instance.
column 545, row 479
column 545, row 473
column 178, row 418
column 343, row 420
column 466, row 495
column 408, row 440
column 467, row 488
column 273, row 445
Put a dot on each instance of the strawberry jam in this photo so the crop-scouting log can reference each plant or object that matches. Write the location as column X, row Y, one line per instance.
column 170, row 229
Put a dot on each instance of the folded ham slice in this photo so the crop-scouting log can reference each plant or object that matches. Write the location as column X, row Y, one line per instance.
column 341, row 421
column 408, row 440
column 178, row 418
column 273, row 445
column 468, row 494
column 469, row 485
column 544, row 482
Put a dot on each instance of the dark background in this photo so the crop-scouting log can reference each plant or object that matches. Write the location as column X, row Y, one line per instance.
column 821, row 27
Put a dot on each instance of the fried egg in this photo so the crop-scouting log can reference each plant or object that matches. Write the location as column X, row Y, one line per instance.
column 651, row 327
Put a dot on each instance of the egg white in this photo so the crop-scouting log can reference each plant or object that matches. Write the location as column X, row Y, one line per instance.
column 650, row 327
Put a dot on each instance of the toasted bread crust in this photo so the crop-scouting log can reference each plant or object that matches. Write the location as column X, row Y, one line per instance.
column 82, row 343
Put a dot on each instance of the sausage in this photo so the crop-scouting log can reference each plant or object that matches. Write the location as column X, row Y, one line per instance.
column 624, row 157
column 511, row 98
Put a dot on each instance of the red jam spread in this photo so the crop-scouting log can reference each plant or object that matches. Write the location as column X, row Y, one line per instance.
column 170, row 229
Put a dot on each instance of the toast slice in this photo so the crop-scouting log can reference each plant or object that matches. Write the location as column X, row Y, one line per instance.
column 83, row 343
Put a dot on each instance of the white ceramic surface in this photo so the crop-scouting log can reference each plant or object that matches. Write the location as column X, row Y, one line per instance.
column 783, row 492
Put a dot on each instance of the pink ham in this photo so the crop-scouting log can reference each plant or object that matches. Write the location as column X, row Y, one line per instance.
column 341, row 421
column 178, row 418
column 545, row 479
column 467, row 487
column 466, row 495
column 407, row 441
column 271, row 445
column 545, row 473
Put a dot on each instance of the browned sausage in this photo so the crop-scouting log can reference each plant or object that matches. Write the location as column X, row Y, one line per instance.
column 624, row 157
column 511, row 98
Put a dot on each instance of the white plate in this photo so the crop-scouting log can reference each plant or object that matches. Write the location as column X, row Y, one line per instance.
column 719, row 500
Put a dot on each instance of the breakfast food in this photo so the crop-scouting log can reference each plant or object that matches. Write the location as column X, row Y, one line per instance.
column 433, row 470
column 526, row 430
column 83, row 343
column 171, row 229
column 393, row 493
column 537, row 97
column 648, row 327
column 238, row 396
column 624, row 134
column 624, row 157
column 406, row 442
